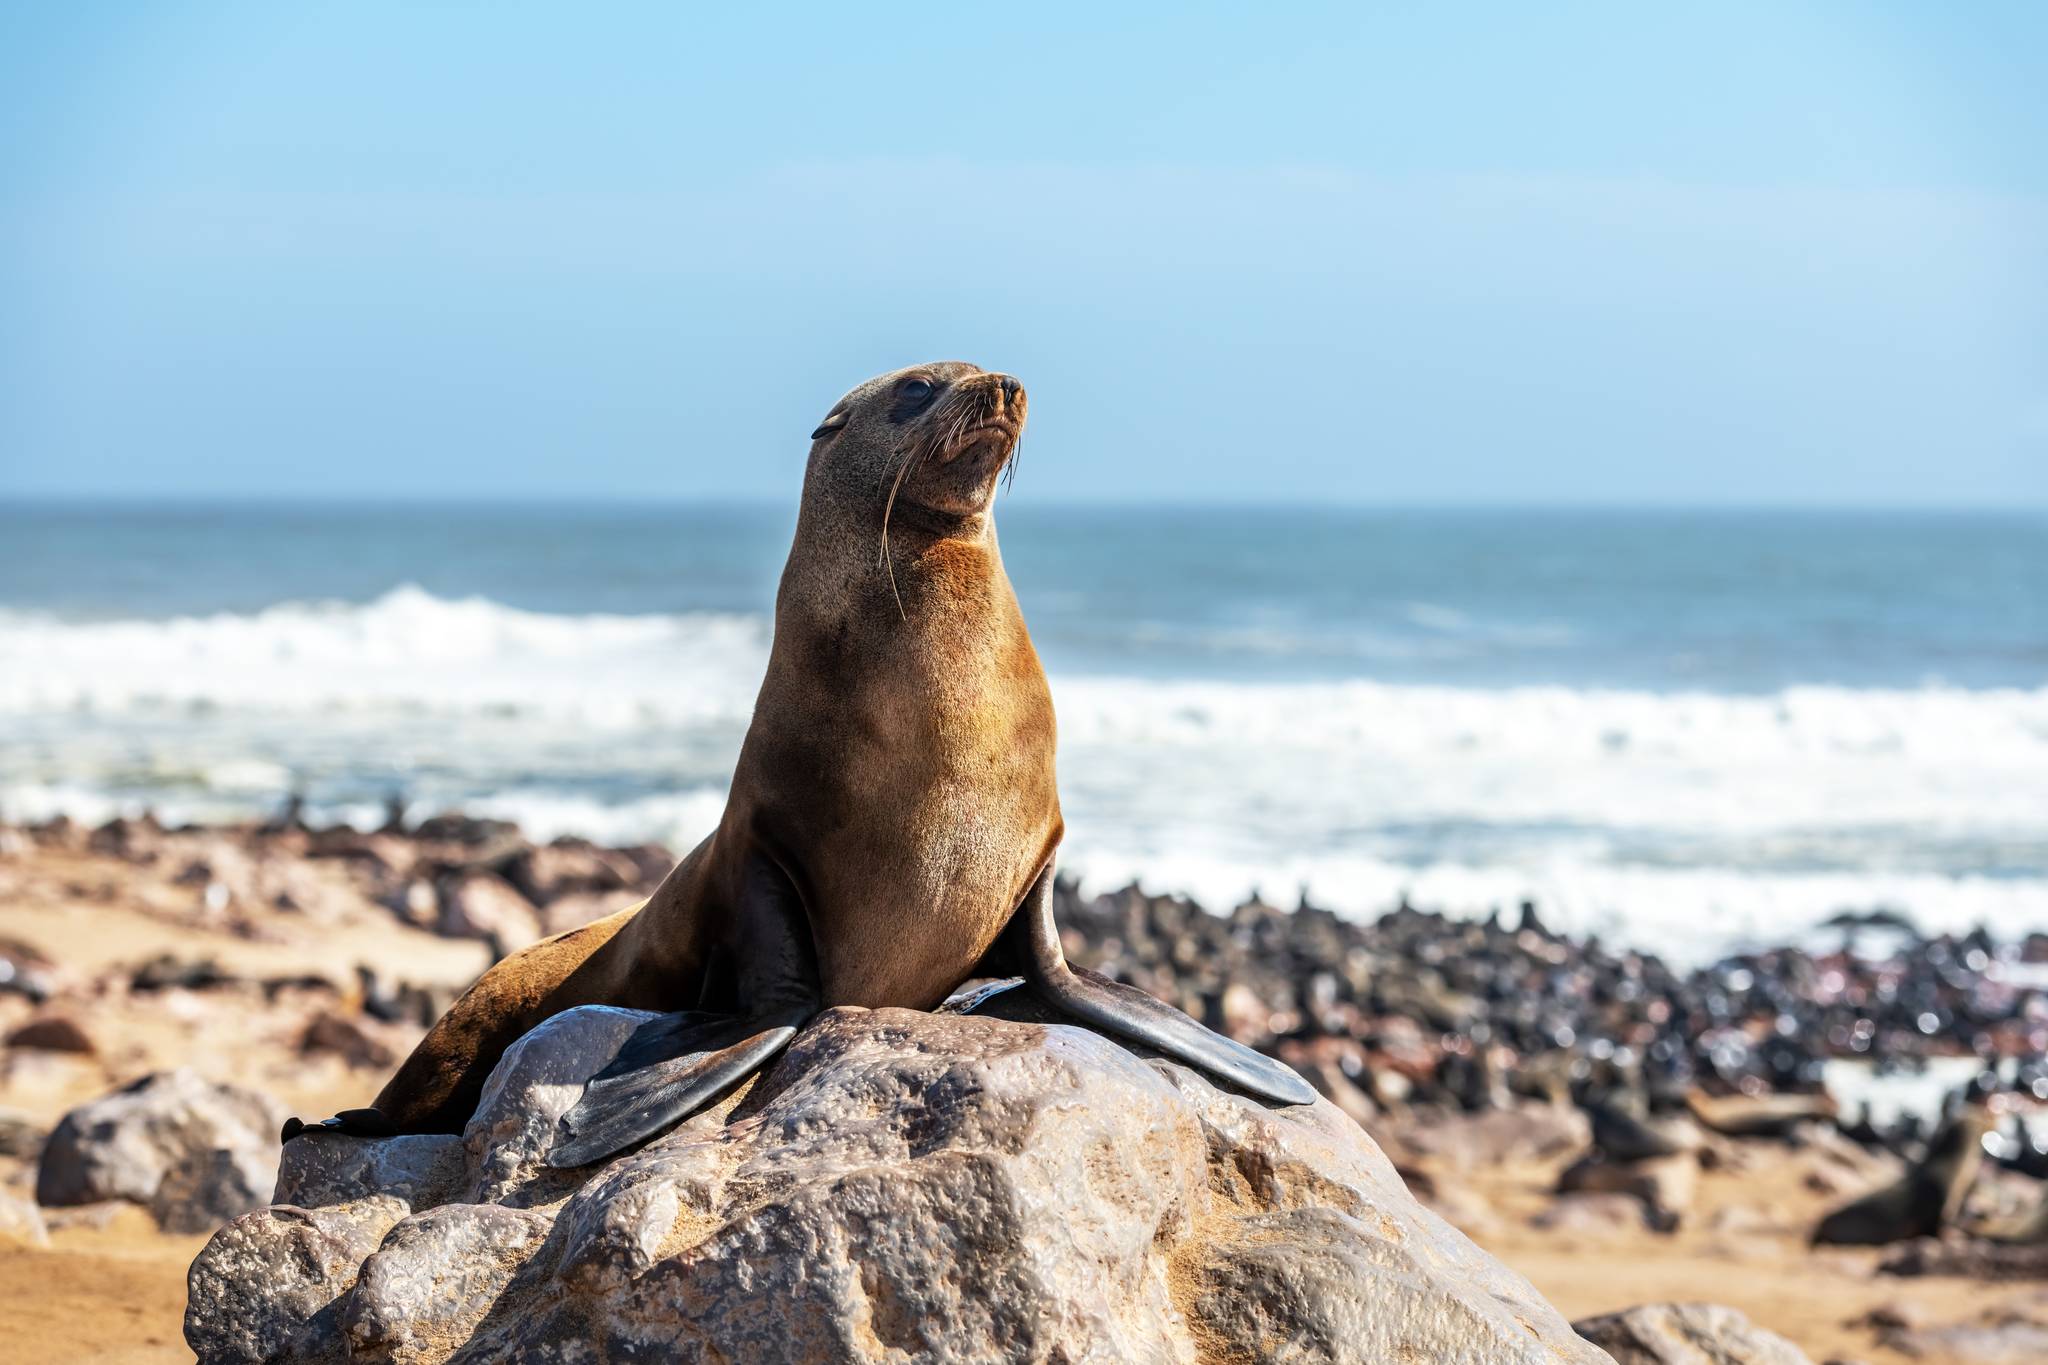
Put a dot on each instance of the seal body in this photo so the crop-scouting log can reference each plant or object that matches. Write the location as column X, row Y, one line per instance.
column 892, row 821
column 897, row 774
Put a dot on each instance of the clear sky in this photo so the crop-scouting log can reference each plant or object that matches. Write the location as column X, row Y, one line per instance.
column 1770, row 253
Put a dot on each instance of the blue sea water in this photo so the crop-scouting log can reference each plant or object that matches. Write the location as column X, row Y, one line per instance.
column 1682, row 728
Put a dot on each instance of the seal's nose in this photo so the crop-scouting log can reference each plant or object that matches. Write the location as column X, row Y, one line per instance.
column 1011, row 402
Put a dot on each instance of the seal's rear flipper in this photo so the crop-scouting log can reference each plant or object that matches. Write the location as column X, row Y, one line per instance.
column 362, row 1123
column 669, row 1069
column 1128, row 1012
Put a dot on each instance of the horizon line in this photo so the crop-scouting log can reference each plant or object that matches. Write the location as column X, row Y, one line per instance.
column 680, row 501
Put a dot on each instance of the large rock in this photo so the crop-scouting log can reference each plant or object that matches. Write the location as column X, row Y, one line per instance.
column 901, row 1186
column 1687, row 1334
column 194, row 1153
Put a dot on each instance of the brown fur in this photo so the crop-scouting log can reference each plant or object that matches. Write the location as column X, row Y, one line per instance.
column 899, row 767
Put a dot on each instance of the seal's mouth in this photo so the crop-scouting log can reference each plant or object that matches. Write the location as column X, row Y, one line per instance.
column 996, row 431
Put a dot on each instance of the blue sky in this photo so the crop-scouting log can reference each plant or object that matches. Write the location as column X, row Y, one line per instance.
column 1770, row 253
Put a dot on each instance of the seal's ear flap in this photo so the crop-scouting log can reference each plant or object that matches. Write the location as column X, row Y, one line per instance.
column 830, row 424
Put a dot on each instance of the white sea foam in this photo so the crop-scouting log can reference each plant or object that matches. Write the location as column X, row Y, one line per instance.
column 407, row 648
column 1677, row 818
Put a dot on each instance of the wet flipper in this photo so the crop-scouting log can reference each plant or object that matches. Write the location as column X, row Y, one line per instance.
column 971, row 994
column 677, row 1064
column 669, row 1069
column 1127, row 1012
column 358, row 1123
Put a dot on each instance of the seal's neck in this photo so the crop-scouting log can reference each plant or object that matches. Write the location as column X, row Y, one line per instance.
column 933, row 569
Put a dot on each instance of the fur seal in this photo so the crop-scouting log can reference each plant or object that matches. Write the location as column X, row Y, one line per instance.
column 1928, row 1198
column 892, row 821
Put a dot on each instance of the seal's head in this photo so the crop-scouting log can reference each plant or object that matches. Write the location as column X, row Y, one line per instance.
column 923, row 446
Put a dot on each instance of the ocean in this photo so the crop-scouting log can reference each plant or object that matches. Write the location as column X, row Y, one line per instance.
column 1684, row 731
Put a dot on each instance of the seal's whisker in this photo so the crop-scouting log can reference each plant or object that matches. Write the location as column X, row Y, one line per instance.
column 888, row 561
column 1016, row 458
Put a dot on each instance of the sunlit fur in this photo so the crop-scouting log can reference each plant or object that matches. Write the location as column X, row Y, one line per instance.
column 899, row 766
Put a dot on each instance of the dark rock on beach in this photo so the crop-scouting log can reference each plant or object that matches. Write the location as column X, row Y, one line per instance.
column 53, row 1033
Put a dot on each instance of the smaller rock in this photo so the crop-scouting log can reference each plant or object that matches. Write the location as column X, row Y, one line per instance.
column 650, row 863
column 1340, row 1090
column 54, row 1033
column 194, row 1153
column 567, row 867
column 1971, row 1258
column 1996, row 1338
column 59, row 831
column 24, row 970
column 1890, row 1317
column 347, row 1039
column 136, row 840
column 1664, row 1184
column 1463, row 1209
column 1593, row 1215
column 265, row 1288
column 579, row 908
column 378, row 857
column 20, row 1135
column 203, row 1192
column 1470, row 1141
column 96, row 1217
column 434, row 1278
column 165, row 972
column 21, row 1221
column 415, row 902
column 470, row 831
column 481, row 905
column 1745, row 1220
column 1687, row 1334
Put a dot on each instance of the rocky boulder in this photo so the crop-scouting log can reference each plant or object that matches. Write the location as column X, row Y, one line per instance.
column 192, row 1152
column 900, row 1186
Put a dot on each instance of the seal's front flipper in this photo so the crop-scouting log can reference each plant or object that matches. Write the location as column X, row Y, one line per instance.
column 360, row 1123
column 671, row 1067
column 675, row 1065
column 1128, row 1012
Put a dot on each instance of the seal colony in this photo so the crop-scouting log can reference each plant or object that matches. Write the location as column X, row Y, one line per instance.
column 892, row 823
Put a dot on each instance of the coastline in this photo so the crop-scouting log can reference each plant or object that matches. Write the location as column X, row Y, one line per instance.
column 305, row 962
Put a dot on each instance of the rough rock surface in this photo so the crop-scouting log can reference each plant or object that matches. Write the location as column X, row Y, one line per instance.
column 1687, row 1334
column 901, row 1186
column 194, row 1153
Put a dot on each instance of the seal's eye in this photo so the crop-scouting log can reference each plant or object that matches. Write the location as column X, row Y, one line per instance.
column 914, row 396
